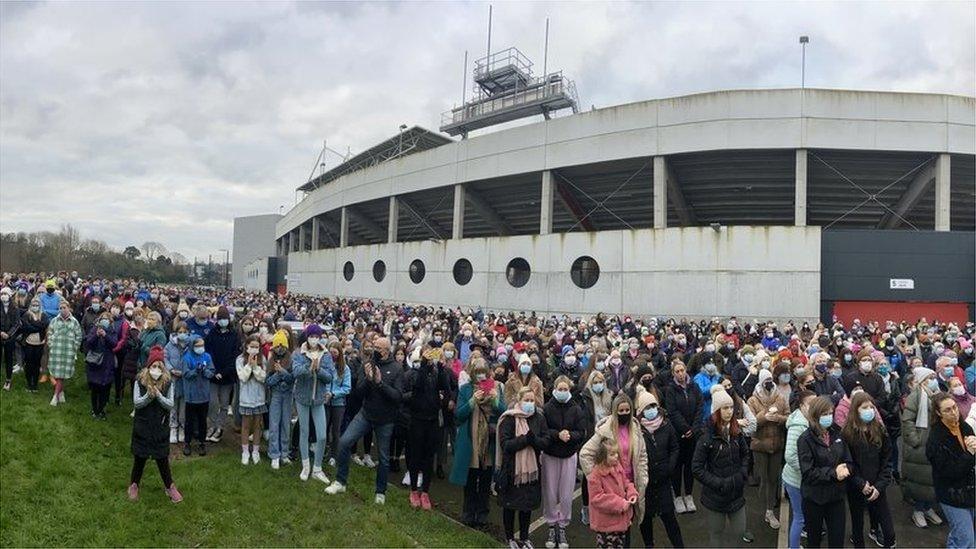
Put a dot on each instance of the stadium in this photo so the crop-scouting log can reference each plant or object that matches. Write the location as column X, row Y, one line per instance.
column 765, row 203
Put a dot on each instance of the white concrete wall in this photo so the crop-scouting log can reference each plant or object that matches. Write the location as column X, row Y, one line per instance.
column 761, row 272
column 255, row 275
column 723, row 120
column 254, row 237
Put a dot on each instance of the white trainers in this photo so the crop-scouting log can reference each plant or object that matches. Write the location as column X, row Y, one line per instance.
column 406, row 479
column 245, row 457
column 306, row 469
column 331, row 462
column 380, row 499
column 230, row 410
column 335, row 488
column 933, row 517
column 181, row 436
column 256, row 455
column 367, row 461
column 275, row 464
column 585, row 515
column 174, row 436
column 132, row 413
column 919, row 519
column 772, row 520
column 358, row 460
column 61, row 400
column 17, row 368
column 54, row 400
column 285, row 460
column 690, row 504
column 319, row 475
column 679, row 505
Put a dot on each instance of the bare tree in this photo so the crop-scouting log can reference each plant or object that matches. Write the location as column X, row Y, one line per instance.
column 151, row 249
column 178, row 258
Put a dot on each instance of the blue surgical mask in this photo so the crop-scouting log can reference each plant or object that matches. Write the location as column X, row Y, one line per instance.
column 104, row 323
column 826, row 421
column 597, row 388
column 182, row 337
column 600, row 365
column 710, row 368
column 747, row 358
column 867, row 416
column 650, row 413
column 199, row 350
column 96, row 306
column 562, row 396
column 526, row 369
column 948, row 371
column 528, row 407
column 933, row 385
column 223, row 322
column 836, row 373
column 784, row 378
column 884, row 370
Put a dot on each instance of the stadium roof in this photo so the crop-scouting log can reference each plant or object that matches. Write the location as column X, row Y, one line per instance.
column 413, row 140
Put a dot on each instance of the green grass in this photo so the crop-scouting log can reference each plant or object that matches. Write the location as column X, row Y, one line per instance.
column 63, row 478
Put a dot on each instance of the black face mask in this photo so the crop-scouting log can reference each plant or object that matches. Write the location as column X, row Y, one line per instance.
column 50, row 290
column 623, row 419
column 647, row 382
column 377, row 356
column 768, row 385
column 280, row 352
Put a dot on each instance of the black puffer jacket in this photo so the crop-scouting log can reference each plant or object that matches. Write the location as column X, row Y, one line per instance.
column 423, row 388
column 568, row 416
column 818, row 465
column 721, row 465
column 684, row 407
column 872, row 463
column 381, row 401
column 662, row 458
column 525, row 497
column 953, row 467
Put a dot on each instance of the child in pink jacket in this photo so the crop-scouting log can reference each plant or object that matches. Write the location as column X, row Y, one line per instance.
column 612, row 497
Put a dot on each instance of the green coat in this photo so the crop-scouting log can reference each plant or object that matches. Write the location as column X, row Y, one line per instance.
column 916, row 471
column 64, row 338
column 462, row 442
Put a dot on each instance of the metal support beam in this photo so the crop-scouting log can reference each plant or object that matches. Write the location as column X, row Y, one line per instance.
column 375, row 231
column 943, row 187
column 393, row 220
column 800, row 193
column 488, row 213
column 457, row 225
column 660, row 192
column 440, row 233
column 315, row 233
column 545, row 211
column 573, row 206
column 686, row 216
column 917, row 188
column 344, row 228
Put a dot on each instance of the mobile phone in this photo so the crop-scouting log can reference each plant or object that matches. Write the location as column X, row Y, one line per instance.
column 486, row 385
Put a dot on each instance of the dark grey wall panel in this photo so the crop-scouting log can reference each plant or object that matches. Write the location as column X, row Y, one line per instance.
column 858, row 265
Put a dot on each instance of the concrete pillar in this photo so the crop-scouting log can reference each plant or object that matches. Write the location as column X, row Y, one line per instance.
column 545, row 210
column 344, row 228
column 800, row 194
column 393, row 220
column 316, row 229
column 943, row 185
column 457, row 227
column 660, row 192
column 292, row 241
column 301, row 238
column 278, row 247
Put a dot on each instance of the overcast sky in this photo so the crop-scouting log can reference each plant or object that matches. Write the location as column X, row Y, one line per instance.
column 164, row 120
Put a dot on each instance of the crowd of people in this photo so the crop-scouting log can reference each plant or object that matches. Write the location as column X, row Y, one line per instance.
column 520, row 407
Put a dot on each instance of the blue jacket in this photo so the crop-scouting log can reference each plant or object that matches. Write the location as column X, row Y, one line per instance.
column 50, row 303
column 197, row 371
column 341, row 387
column 705, row 382
column 199, row 329
column 300, row 368
column 462, row 443
column 173, row 358
column 280, row 382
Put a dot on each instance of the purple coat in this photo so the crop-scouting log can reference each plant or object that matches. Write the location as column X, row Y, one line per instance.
column 100, row 373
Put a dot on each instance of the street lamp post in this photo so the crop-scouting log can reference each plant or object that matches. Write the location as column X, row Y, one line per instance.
column 226, row 267
column 804, row 40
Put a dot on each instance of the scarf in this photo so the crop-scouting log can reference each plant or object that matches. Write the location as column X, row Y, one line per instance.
column 652, row 424
column 922, row 419
column 954, row 429
column 526, row 468
column 480, row 458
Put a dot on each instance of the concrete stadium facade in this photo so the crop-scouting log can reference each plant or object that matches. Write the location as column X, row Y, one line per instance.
column 704, row 205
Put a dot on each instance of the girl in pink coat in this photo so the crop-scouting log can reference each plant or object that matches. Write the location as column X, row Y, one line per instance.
column 612, row 499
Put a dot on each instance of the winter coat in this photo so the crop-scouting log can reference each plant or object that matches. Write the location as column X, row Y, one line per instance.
column 916, row 470
column 173, row 359
column 610, row 492
column 311, row 387
column 150, row 427
column 340, row 387
column 28, row 326
column 638, row 455
column 252, row 392
column 64, row 337
column 197, row 371
column 103, row 372
column 569, row 417
column 842, row 410
column 422, row 389
column 891, row 409
column 223, row 346
column 953, row 467
column 871, row 464
column 685, row 407
column 705, row 382
column 796, row 425
column 662, row 458
column 829, row 387
column 148, row 339
column 525, row 497
column 462, row 442
column 721, row 466
column 381, row 401
column 818, row 464
column 130, row 353
column 770, row 436
column 9, row 320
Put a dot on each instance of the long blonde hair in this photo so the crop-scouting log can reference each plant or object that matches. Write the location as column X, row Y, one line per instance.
column 147, row 381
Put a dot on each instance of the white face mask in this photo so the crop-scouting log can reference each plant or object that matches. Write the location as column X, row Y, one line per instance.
column 252, row 351
column 155, row 373
column 313, row 341
column 448, row 354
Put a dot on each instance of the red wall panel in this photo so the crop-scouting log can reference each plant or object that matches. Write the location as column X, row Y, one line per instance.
column 866, row 311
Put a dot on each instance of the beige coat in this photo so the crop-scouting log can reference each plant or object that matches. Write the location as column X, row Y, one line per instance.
column 605, row 430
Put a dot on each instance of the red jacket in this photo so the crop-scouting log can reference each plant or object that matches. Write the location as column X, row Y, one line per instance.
column 609, row 491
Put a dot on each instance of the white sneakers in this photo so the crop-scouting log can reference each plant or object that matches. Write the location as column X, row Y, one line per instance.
column 285, row 460
column 275, row 464
column 367, row 461
column 358, row 460
column 679, row 505
column 319, row 475
column 54, row 400
column 306, row 469
column 256, row 455
column 933, row 517
column 245, row 457
column 918, row 518
column 61, row 400
column 690, row 505
column 335, row 488
column 174, row 435
column 772, row 519
column 380, row 499
column 332, row 462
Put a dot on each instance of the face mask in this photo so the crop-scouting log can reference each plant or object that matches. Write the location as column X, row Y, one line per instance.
column 848, row 357
column 4, row 299
column 104, row 324
column 156, row 373
column 784, row 378
column 562, row 396
column 709, row 348
column 958, row 390
column 769, row 385
column 182, row 337
column 747, row 358
column 252, row 351
column 866, row 366
column 467, row 333
column 313, row 341
column 600, row 365
column 50, row 291
column 438, row 339
column 528, row 407
column 954, row 361
column 884, row 370
column 826, row 421
column 96, row 306
column 502, row 358
column 481, row 377
column 597, row 388
column 938, row 349
column 969, row 350
column 35, row 308
column 867, row 416
column 933, row 385
column 570, row 360
column 247, row 328
column 836, row 373
column 765, row 364
column 800, row 372
column 280, row 351
column 223, row 322
column 650, row 414
column 526, row 369
column 198, row 350
column 183, row 314
column 948, row 371
column 623, row 419
column 710, row 368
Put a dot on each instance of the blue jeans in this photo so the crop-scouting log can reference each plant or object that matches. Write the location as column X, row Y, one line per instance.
column 357, row 428
column 279, row 424
column 318, row 417
column 960, row 527
column 796, row 504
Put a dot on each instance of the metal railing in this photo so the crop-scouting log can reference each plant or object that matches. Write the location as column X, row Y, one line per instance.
column 511, row 56
column 538, row 89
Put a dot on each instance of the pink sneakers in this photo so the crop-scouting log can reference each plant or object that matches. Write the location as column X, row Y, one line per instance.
column 414, row 499
column 133, row 492
column 425, row 501
column 174, row 495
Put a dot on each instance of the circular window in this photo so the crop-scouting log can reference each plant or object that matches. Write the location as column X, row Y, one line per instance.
column 417, row 271
column 462, row 271
column 585, row 272
column 379, row 271
column 348, row 270
column 517, row 272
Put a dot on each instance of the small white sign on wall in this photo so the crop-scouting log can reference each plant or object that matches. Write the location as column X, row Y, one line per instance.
column 901, row 284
